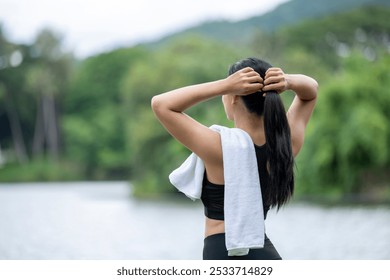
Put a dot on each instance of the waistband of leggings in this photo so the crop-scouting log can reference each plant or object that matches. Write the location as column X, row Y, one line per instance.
column 216, row 235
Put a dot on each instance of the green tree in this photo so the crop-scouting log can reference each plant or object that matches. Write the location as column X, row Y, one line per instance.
column 46, row 80
column 365, row 29
column 12, row 66
column 94, row 120
column 349, row 135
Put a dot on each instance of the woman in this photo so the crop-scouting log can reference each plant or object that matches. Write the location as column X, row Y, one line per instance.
column 250, row 95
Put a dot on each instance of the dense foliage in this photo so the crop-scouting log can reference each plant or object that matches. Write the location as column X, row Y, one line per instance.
column 347, row 144
column 63, row 119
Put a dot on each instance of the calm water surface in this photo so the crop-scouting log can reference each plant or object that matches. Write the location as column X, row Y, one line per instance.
column 102, row 221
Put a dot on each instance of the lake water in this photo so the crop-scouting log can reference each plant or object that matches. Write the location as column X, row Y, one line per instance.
column 102, row 221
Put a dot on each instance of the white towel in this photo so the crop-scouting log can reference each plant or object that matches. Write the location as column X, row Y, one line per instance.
column 244, row 217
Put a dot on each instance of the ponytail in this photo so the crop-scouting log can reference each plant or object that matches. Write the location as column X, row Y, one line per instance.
column 277, row 134
column 279, row 151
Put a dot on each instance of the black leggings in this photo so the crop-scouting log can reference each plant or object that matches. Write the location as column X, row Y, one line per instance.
column 215, row 249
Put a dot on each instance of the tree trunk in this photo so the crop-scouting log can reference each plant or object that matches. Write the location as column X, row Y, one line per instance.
column 51, row 128
column 16, row 131
column 38, row 140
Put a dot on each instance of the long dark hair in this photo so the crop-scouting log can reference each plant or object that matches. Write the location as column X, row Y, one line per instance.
column 277, row 134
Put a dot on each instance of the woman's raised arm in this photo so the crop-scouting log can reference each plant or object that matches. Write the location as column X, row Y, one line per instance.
column 169, row 108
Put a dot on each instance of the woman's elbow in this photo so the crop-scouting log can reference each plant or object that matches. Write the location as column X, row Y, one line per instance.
column 156, row 104
column 315, row 86
column 313, row 89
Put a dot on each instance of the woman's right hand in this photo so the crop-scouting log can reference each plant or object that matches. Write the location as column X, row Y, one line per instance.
column 244, row 82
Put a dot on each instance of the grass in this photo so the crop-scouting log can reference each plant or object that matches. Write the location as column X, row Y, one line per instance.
column 41, row 171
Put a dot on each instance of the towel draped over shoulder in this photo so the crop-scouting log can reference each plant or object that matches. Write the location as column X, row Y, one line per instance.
column 243, row 207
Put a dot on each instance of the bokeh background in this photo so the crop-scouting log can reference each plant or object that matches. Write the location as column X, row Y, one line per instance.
column 84, row 163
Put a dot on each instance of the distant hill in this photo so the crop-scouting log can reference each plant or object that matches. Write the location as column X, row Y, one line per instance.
column 286, row 14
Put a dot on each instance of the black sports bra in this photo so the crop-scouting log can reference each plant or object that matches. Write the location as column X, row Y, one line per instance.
column 213, row 194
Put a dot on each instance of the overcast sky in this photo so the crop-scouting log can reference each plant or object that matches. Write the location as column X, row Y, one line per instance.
column 92, row 26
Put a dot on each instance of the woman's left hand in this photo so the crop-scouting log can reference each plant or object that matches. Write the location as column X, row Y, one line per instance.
column 275, row 79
